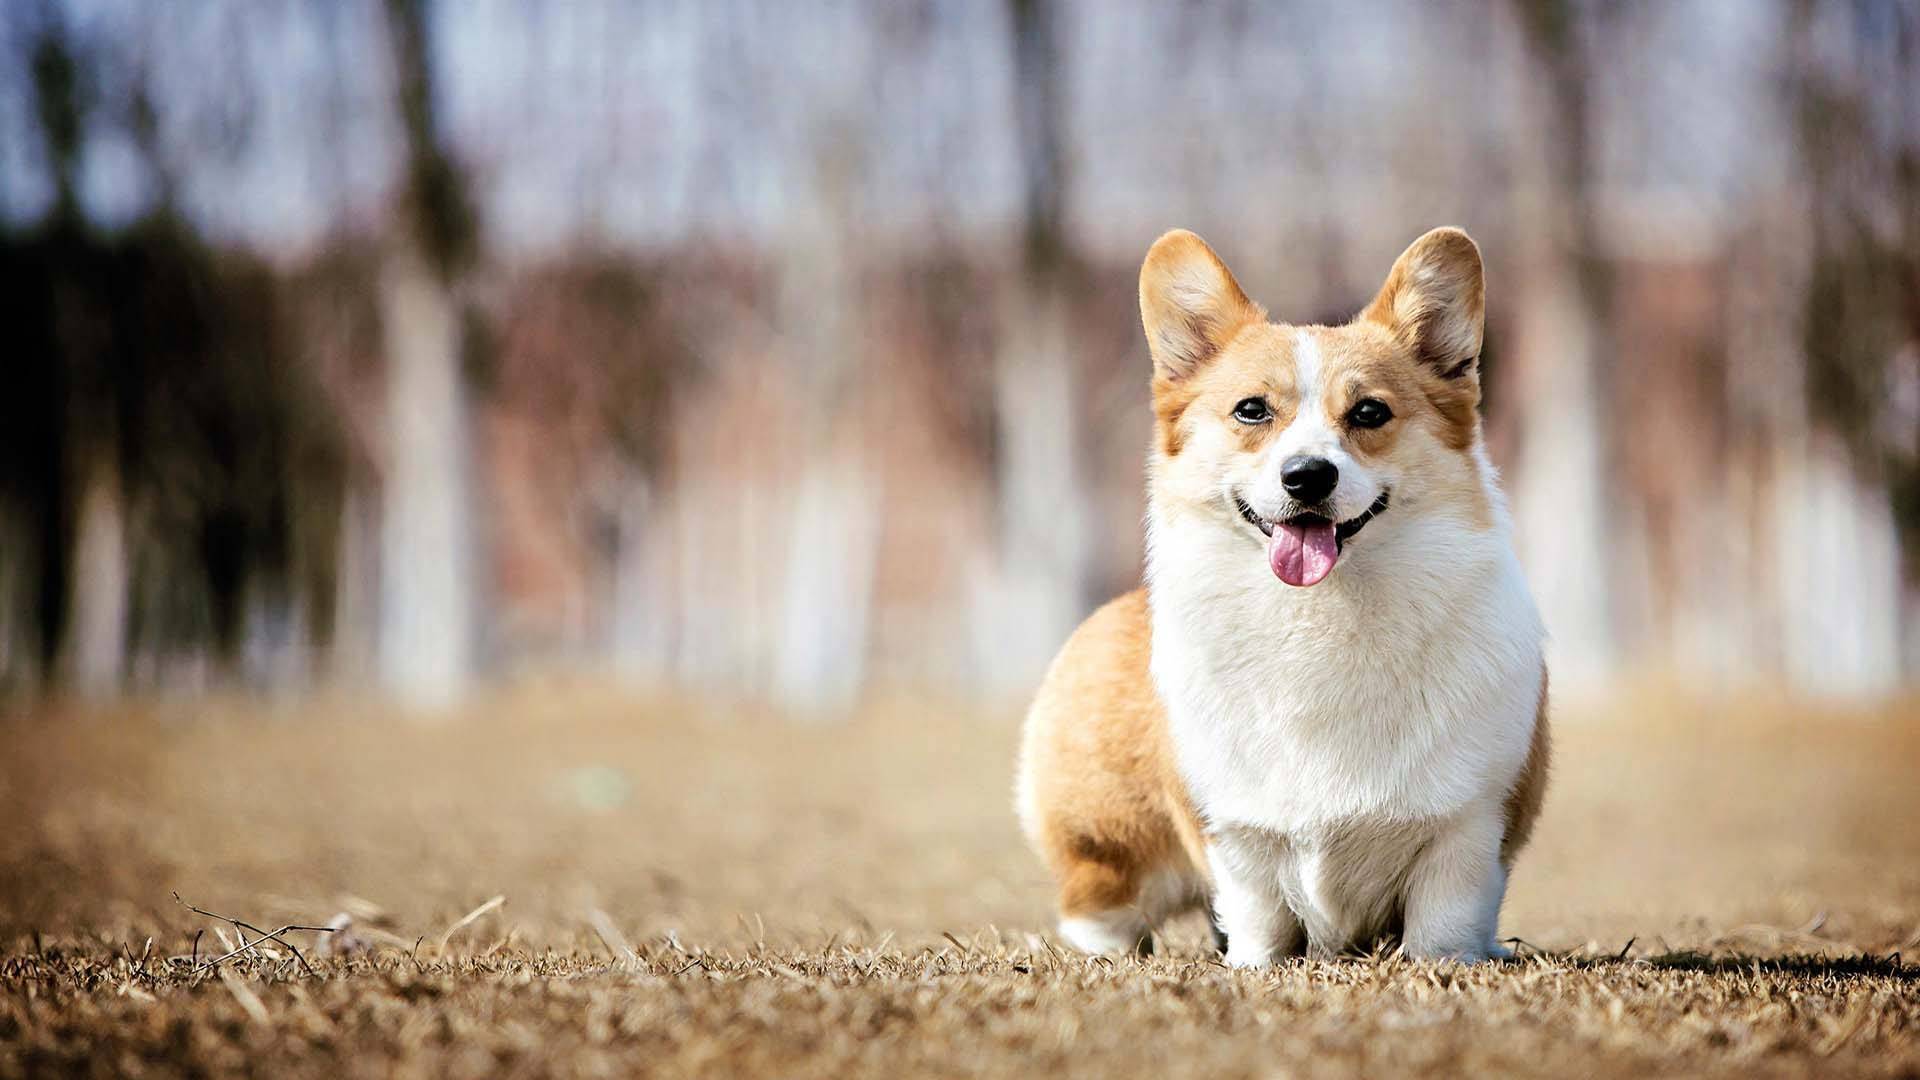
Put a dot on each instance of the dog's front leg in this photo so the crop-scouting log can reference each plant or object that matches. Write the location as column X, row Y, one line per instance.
column 1248, row 905
column 1455, row 889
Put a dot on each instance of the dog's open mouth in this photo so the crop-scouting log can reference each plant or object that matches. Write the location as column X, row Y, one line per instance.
column 1303, row 548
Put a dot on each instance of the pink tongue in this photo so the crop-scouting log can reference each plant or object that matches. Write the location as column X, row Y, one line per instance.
column 1302, row 554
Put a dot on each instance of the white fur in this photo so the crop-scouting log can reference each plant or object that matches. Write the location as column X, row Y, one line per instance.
column 1106, row 933
column 1350, row 745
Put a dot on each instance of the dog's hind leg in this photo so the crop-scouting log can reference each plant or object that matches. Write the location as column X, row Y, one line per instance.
column 1112, row 907
column 1109, row 933
column 1101, row 910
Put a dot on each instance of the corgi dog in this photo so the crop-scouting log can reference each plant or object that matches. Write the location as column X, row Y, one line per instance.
column 1325, row 715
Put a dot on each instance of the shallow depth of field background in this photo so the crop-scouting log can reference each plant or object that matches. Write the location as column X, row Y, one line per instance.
column 635, row 460
column 784, row 351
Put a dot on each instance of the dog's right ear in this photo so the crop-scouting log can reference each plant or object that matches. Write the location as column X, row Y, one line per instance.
column 1190, row 304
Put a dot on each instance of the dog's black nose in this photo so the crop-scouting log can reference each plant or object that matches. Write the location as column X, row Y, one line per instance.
column 1308, row 479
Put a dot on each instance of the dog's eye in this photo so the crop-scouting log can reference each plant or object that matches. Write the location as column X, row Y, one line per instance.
column 1369, row 413
column 1252, row 410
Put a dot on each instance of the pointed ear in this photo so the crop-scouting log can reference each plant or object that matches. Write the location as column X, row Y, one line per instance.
column 1190, row 304
column 1435, row 302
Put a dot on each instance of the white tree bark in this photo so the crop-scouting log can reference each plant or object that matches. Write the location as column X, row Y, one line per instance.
column 640, row 635
column 833, row 539
column 1836, row 557
column 97, row 631
column 1566, row 538
column 828, row 503
column 426, row 580
column 1034, row 588
column 1571, row 545
column 1040, row 572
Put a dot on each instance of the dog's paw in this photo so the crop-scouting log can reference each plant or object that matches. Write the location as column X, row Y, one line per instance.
column 1248, row 959
column 1465, row 954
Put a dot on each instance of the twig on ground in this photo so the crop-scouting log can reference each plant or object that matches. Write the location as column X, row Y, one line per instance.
column 256, row 943
column 1622, row 954
column 1538, row 951
column 245, row 946
column 139, row 964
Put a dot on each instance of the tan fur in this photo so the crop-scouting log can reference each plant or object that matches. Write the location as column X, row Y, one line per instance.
column 1433, row 305
column 1190, row 304
column 1111, row 809
column 1185, row 337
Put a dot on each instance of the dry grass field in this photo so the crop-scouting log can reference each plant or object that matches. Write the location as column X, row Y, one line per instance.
column 1716, row 888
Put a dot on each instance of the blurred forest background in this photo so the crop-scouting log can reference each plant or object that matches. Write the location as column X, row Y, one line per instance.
column 789, row 350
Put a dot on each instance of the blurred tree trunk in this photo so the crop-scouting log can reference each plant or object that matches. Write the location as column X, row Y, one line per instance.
column 828, row 540
column 1037, row 589
column 71, row 442
column 96, row 648
column 353, row 652
column 1567, row 538
column 640, row 635
column 426, row 574
column 1841, row 449
column 1905, row 469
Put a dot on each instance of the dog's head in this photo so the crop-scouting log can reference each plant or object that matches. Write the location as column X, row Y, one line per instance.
column 1299, row 437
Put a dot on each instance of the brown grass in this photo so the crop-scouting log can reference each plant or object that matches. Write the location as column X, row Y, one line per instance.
column 691, row 891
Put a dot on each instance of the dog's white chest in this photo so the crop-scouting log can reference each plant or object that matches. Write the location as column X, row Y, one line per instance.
column 1393, row 692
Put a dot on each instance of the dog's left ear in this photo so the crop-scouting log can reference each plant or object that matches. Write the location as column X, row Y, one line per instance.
column 1435, row 302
